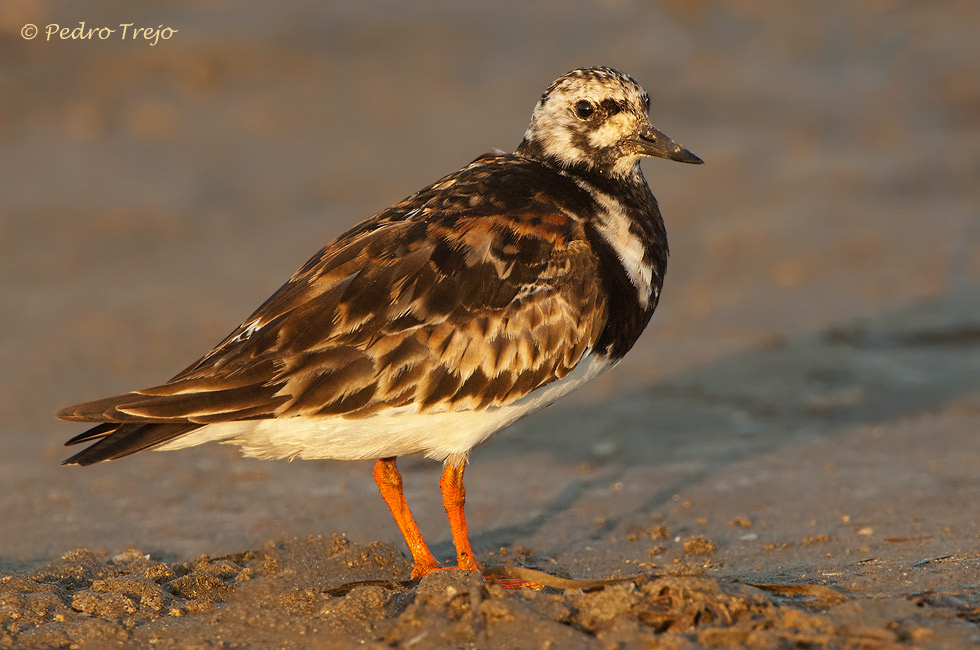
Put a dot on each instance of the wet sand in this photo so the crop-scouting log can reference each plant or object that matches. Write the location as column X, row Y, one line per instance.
column 802, row 411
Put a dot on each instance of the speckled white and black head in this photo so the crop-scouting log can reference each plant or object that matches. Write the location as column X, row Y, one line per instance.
column 596, row 119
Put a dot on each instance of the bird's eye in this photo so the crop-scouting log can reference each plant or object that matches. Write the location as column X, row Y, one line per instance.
column 584, row 109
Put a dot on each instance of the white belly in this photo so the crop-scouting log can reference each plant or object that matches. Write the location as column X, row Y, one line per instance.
column 446, row 436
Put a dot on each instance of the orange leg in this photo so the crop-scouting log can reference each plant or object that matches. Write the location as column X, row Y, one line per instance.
column 454, row 497
column 390, row 485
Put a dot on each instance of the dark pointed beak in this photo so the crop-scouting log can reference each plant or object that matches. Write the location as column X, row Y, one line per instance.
column 654, row 143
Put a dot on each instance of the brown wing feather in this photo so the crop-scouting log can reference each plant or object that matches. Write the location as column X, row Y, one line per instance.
column 474, row 292
column 118, row 440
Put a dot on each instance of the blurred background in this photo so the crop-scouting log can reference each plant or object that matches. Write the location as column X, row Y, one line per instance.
column 824, row 273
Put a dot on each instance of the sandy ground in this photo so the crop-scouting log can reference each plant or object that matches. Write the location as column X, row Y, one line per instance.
column 788, row 457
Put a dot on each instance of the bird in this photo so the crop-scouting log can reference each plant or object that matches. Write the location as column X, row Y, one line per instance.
column 440, row 320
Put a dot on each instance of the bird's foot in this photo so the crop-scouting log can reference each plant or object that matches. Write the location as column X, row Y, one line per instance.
column 420, row 572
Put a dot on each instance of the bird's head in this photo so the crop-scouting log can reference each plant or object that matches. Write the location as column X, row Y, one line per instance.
column 596, row 118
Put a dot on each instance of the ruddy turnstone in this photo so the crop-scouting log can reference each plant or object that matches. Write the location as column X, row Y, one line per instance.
column 476, row 301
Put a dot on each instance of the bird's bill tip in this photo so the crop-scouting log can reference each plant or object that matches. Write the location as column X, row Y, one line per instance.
column 680, row 154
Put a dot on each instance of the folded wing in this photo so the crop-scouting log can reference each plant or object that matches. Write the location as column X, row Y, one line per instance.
column 454, row 299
